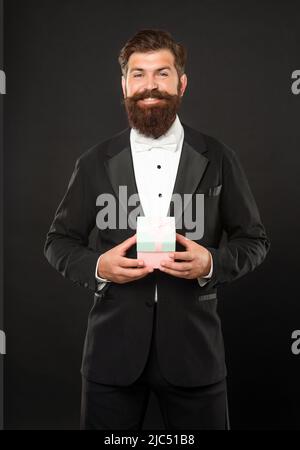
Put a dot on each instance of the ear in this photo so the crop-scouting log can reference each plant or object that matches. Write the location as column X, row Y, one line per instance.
column 183, row 80
column 124, row 86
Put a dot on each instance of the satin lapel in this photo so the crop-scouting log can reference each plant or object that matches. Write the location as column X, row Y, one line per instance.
column 120, row 170
column 192, row 166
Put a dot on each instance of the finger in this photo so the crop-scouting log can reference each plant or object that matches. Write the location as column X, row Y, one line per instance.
column 181, row 267
column 185, row 256
column 133, row 273
column 182, row 240
column 175, row 273
column 130, row 262
column 136, row 278
column 125, row 245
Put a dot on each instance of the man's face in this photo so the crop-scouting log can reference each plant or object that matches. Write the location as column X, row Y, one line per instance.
column 152, row 91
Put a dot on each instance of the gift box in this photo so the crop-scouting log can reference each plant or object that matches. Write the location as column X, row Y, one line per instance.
column 156, row 237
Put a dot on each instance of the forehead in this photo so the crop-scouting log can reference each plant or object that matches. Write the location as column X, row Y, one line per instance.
column 151, row 60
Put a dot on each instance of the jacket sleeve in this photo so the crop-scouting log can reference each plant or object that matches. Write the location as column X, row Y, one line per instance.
column 66, row 247
column 247, row 243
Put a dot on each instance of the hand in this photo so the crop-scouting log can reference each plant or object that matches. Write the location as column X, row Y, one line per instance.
column 114, row 266
column 196, row 260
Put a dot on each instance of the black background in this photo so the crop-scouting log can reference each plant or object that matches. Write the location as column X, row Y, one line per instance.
column 63, row 96
column 1, row 215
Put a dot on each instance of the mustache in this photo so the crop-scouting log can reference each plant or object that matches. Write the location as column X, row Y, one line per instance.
column 152, row 93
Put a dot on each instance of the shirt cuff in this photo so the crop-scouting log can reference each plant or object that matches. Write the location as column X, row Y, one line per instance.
column 103, row 280
column 209, row 275
column 205, row 279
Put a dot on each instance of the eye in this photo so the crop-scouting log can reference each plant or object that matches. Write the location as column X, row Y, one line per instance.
column 163, row 74
column 137, row 75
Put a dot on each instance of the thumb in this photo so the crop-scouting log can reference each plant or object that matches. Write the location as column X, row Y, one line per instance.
column 125, row 245
column 182, row 240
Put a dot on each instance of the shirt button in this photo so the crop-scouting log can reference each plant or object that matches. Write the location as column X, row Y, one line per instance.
column 159, row 166
column 86, row 285
column 160, row 195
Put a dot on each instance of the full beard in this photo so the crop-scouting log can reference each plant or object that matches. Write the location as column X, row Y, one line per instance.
column 152, row 120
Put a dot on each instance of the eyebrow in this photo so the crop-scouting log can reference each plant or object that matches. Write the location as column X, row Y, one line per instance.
column 156, row 70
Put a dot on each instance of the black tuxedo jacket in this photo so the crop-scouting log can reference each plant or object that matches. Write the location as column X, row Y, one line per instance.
column 189, row 337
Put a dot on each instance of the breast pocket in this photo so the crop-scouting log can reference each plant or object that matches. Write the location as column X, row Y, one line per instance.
column 213, row 191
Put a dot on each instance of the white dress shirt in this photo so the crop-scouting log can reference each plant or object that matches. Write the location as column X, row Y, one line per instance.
column 155, row 164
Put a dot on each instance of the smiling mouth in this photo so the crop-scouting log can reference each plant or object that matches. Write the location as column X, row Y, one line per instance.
column 150, row 100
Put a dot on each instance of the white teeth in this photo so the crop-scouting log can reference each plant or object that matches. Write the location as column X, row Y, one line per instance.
column 150, row 100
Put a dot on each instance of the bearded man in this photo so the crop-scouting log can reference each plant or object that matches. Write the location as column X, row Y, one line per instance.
column 156, row 330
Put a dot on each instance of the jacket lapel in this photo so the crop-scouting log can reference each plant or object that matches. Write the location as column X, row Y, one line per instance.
column 192, row 166
column 120, row 171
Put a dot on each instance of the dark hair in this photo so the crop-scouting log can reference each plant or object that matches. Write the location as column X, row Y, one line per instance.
column 151, row 40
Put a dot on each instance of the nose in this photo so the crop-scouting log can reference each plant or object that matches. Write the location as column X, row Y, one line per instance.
column 150, row 82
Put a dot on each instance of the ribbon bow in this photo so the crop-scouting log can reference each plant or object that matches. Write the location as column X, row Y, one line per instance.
column 167, row 143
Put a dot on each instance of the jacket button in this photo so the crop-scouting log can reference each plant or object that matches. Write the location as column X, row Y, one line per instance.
column 149, row 303
column 86, row 285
